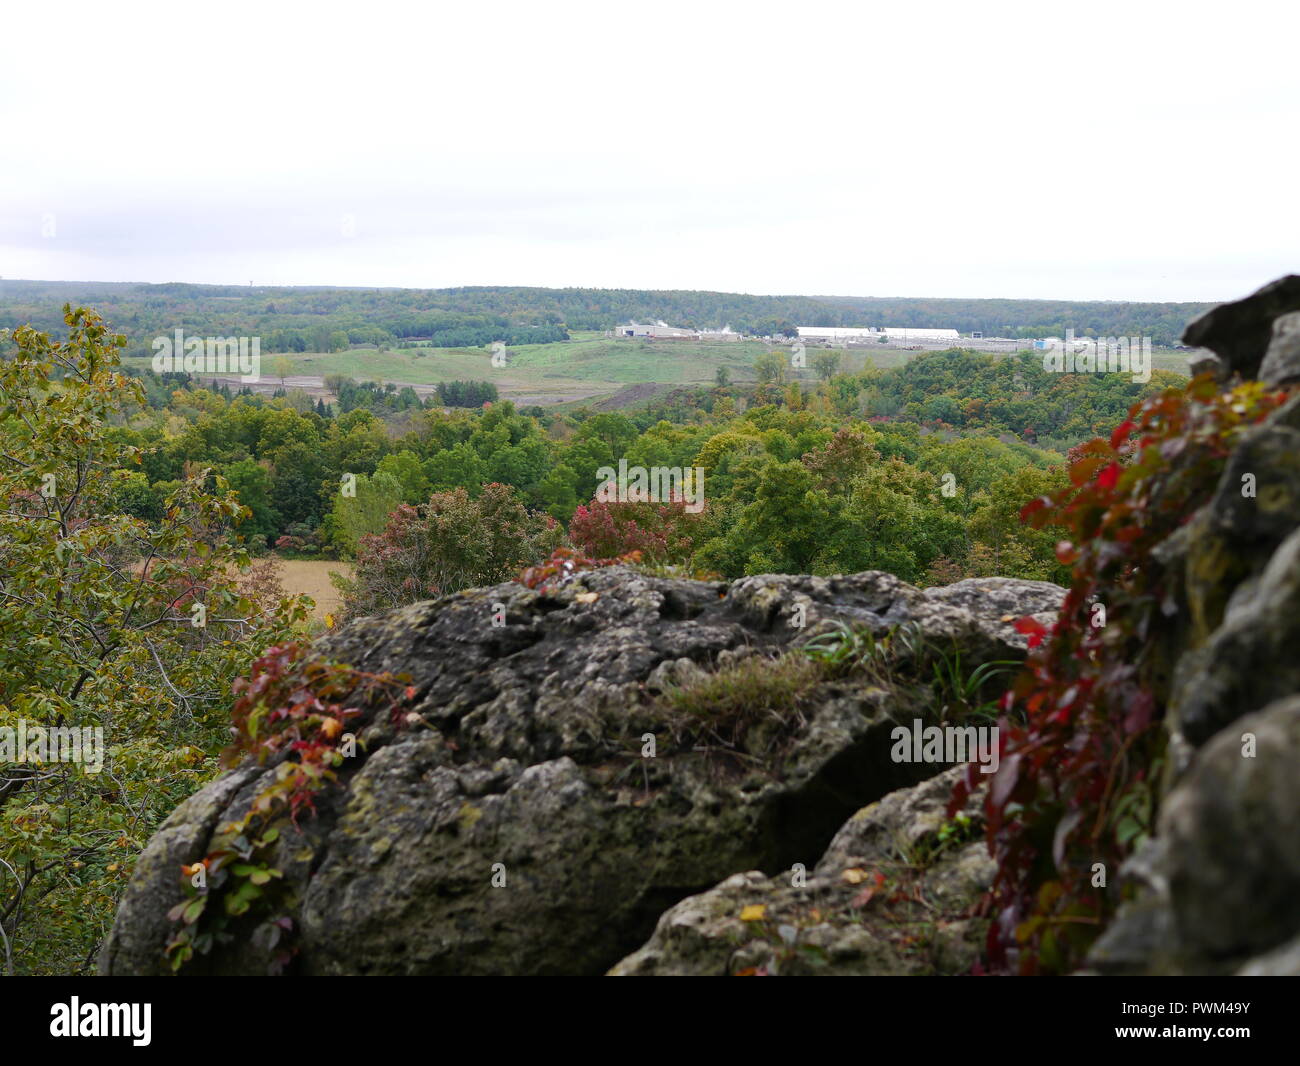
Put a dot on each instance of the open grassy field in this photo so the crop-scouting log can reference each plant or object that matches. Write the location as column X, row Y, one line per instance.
column 312, row 577
column 588, row 367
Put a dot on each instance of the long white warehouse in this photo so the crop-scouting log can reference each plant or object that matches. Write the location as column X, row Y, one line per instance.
column 901, row 333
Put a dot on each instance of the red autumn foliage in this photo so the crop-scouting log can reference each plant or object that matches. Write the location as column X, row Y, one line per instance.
column 661, row 532
column 1080, row 743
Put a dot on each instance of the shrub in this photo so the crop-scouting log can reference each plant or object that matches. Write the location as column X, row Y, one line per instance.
column 661, row 532
column 451, row 543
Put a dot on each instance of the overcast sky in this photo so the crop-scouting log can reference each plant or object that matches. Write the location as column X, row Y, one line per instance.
column 1133, row 150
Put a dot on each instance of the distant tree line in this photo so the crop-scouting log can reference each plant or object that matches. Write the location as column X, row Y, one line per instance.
column 299, row 319
column 476, row 336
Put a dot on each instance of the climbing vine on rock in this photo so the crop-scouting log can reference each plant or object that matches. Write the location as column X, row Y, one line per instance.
column 1075, row 791
column 298, row 708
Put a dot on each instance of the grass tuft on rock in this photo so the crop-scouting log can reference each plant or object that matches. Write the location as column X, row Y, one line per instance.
column 752, row 705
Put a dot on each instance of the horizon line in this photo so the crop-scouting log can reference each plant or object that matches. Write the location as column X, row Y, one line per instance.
column 597, row 288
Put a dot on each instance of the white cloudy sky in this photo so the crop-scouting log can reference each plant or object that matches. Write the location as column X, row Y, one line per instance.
column 1103, row 150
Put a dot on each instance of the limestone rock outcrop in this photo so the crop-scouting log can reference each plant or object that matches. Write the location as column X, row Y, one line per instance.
column 527, row 762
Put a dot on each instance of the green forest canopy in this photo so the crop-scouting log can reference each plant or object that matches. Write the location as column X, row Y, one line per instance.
column 318, row 319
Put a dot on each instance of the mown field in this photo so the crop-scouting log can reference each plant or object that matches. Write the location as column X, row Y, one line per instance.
column 312, row 576
column 588, row 367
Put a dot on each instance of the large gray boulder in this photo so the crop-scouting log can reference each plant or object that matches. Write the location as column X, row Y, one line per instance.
column 1250, row 660
column 1281, row 365
column 514, row 827
column 1235, row 570
column 1240, row 332
column 895, row 893
column 1221, row 879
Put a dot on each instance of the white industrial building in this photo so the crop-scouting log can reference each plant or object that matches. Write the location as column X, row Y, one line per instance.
column 655, row 331
column 892, row 333
column 836, row 333
column 910, row 333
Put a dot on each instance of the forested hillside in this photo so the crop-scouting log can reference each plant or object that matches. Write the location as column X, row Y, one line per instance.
column 296, row 319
